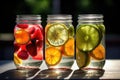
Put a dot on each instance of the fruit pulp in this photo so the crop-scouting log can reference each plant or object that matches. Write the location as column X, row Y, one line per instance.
column 59, row 45
column 28, row 45
column 90, row 46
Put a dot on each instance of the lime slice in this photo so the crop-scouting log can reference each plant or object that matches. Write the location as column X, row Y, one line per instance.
column 102, row 28
column 87, row 37
column 82, row 59
column 57, row 34
column 71, row 31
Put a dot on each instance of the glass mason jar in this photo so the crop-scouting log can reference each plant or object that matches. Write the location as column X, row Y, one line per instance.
column 59, row 41
column 28, row 42
column 90, row 41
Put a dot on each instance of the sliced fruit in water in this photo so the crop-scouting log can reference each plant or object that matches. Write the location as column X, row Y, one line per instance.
column 22, row 36
column 57, row 34
column 22, row 25
column 82, row 58
column 32, row 48
column 37, row 34
column 17, row 60
column 39, row 55
column 52, row 56
column 23, row 54
column 87, row 37
column 98, row 53
column 69, row 47
column 71, row 31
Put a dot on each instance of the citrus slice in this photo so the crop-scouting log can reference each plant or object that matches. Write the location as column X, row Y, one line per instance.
column 52, row 56
column 102, row 28
column 22, row 36
column 98, row 53
column 87, row 37
column 17, row 60
column 69, row 47
column 82, row 59
column 71, row 31
column 57, row 34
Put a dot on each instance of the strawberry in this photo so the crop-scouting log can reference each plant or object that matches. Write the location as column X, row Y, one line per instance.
column 22, row 25
column 32, row 49
column 22, row 54
column 39, row 55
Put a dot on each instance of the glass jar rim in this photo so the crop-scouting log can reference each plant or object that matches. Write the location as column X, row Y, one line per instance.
column 59, row 17
column 89, row 16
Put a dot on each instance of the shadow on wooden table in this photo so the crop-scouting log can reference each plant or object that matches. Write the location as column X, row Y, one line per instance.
column 18, row 74
column 60, row 73
column 87, row 74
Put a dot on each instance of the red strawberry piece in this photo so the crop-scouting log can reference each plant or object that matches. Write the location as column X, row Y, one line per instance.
column 32, row 49
column 31, row 30
column 39, row 55
column 39, row 43
column 16, row 47
column 22, row 25
column 23, row 54
column 37, row 33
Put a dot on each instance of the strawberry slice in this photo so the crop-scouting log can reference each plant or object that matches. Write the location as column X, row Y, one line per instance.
column 31, row 29
column 22, row 25
column 39, row 43
column 39, row 55
column 23, row 54
column 32, row 49
column 16, row 47
column 37, row 34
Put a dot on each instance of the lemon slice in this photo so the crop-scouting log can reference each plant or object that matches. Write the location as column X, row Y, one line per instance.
column 17, row 60
column 82, row 59
column 98, row 53
column 52, row 56
column 22, row 36
column 87, row 37
column 57, row 34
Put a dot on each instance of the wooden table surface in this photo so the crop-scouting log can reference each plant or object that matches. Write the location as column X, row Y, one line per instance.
column 111, row 70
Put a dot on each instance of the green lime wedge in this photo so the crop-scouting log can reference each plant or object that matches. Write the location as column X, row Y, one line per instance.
column 87, row 37
column 57, row 34
column 82, row 59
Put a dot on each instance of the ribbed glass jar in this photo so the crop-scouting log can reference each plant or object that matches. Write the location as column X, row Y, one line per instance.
column 90, row 41
column 59, row 41
column 28, row 42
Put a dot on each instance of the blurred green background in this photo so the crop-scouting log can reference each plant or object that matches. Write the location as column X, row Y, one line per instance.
column 11, row 8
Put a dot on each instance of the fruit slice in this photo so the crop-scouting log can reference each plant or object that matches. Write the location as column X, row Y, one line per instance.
column 82, row 59
column 22, row 36
column 32, row 48
column 71, row 31
column 17, row 60
column 22, row 54
column 52, row 56
column 69, row 47
column 87, row 37
column 102, row 27
column 57, row 34
column 98, row 53
column 37, row 34
column 22, row 25
column 39, row 55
